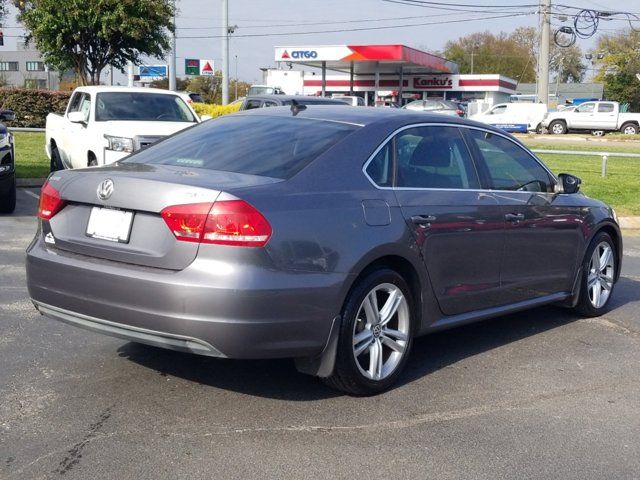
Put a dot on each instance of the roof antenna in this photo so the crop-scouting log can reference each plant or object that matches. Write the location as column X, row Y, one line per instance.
column 296, row 107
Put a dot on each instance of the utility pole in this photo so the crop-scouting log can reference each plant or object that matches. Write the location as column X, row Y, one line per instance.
column 236, row 96
column 225, row 52
column 543, row 61
column 172, row 66
column 130, row 74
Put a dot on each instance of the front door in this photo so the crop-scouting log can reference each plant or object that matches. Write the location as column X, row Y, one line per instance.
column 458, row 228
column 542, row 229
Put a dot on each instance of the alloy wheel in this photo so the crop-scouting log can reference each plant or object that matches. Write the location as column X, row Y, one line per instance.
column 381, row 331
column 601, row 275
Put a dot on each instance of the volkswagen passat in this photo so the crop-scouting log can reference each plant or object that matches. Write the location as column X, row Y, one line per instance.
column 330, row 235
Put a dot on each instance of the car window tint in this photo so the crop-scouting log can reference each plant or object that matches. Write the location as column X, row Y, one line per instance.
column 508, row 165
column 268, row 146
column 605, row 107
column 380, row 167
column 251, row 104
column 434, row 157
column 85, row 105
column 74, row 103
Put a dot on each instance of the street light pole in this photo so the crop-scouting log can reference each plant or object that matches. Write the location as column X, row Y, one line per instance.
column 236, row 93
column 545, row 44
column 225, row 52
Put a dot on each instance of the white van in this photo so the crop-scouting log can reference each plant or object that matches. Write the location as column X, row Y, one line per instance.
column 514, row 117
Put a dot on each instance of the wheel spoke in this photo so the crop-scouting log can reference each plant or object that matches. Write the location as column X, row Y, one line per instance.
column 394, row 334
column 375, row 360
column 605, row 259
column 370, row 305
column 596, row 291
column 604, row 284
column 595, row 261
column 361, row 342
column 592, row 280
column 391, row 306
column 392, row 344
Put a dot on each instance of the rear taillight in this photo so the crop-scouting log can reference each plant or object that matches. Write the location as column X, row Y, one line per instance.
column 50, row 202
column 460, row 113
column 227, row 222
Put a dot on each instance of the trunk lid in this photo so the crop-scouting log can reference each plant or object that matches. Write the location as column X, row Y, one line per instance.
column 144, row 190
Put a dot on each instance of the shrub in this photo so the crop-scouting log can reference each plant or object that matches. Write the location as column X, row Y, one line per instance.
column 215, row 110
column 32, row 106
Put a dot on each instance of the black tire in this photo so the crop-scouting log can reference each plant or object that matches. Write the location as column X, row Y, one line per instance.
column 347, row 375
column 539, row 129
column 630, row 129
column 598, row 133
column 557, row 127
column 56, row 160
column 92, row 160
column 8, row 201
column 585, row 305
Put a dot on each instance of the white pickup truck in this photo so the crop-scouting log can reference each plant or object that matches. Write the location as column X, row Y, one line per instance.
column 104, row 124
column 596, row 117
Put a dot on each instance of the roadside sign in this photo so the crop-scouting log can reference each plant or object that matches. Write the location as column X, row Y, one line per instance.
column 206, row 67
column 152, row 72
column 192, row 66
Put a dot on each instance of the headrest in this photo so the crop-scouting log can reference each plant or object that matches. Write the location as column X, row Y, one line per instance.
column 432, row 152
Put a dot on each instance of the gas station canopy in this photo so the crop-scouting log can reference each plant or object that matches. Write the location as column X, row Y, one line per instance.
column 366, row 59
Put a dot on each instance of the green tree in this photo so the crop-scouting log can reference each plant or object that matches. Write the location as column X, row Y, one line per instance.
column 619, row 67
column 89, row 35
column 514, row 55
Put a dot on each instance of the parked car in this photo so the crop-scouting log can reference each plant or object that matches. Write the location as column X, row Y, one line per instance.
column 262, row 101
column 264, row 90
column 443, row 107
column 514, row 117
column 7, row 165
column 353, row 100
column 594, row 117
column 331, row 235
column 104, row 124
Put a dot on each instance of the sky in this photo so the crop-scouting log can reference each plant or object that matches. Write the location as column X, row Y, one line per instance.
column 299, row 22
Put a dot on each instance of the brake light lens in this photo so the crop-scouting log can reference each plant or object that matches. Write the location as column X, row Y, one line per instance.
column 460, row 112
column 227, row 222
column 50, row 202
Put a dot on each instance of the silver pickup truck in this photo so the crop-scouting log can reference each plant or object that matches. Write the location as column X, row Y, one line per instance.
column 597, row 117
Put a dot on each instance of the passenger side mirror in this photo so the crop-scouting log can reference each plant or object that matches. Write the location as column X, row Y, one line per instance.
column 77, row 117
column 570, row 183
column 7, row 116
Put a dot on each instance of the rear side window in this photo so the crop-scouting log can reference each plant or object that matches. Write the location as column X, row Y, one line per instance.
column 269, row 146
column 508, row 165
column 434, row 157
column 251, row 104
column 605, row 108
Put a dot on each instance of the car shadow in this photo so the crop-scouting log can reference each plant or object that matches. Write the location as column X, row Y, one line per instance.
column 278, row 379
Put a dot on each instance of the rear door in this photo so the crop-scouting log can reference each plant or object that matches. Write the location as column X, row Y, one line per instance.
column 542, row 229
column 458, row 228
column 606, row 116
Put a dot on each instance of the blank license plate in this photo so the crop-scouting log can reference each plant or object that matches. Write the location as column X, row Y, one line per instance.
column 109, row 224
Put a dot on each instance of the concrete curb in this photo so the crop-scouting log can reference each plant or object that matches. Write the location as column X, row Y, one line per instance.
column 30, row 182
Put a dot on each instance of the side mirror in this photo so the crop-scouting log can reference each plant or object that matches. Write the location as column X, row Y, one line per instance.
column 570, row 183
column 7, row 116
column 77, row 117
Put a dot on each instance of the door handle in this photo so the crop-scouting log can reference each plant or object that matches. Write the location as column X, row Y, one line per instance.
column 514, row 217
column 424, row 220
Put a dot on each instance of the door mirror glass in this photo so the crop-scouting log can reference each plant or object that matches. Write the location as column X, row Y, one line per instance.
column 570, row 183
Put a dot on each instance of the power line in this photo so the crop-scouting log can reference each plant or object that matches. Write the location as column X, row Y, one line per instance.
column 278, row 34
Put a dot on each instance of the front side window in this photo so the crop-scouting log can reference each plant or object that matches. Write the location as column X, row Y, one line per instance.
column 586, row 108
column 434, row 157
column 509, row 166
column 138, row 106
column 499, row 110
column 74, row 103
column 251, row 104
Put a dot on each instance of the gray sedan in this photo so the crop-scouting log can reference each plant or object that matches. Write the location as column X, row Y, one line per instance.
column 331, row 235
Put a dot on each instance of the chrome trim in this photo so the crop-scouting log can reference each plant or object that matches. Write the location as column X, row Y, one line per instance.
column 472, row 127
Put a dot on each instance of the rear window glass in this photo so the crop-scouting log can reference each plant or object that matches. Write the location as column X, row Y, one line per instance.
column 268, row 146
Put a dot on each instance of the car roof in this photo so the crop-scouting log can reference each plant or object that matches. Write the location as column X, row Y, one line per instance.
column 364, row 116
column 103, row 88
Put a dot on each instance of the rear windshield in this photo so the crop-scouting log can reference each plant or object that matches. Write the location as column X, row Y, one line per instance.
column 313, row 101
column 137, row 106
column 276, row 147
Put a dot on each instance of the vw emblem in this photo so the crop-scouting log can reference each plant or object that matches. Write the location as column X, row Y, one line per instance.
column 377, row 330
column 105, row 189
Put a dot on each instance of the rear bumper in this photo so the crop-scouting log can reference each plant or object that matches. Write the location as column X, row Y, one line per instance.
column 212, row 309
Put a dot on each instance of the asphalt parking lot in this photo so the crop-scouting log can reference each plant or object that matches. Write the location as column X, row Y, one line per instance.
column 540, row 394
